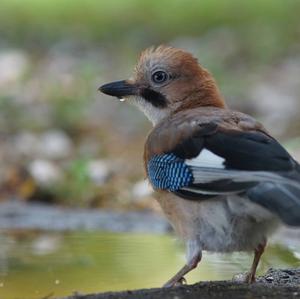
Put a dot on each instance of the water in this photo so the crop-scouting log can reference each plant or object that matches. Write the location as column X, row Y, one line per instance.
column 37, row 265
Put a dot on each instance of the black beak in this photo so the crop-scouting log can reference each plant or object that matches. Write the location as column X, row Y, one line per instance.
column 118, row 89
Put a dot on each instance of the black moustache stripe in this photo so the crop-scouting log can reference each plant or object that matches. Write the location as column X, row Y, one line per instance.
column 155, row 98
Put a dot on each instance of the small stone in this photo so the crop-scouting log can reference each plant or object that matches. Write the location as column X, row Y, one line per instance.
column 98, row 171
column 239, row 277
column 270, row 278
column 141, row 189
column 44, row 172
column 55, row 144
column 13, row 64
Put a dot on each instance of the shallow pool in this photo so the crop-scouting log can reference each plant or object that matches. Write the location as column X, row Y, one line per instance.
column 37, row 265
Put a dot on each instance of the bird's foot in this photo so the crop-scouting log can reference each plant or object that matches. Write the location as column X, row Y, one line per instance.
column 175, row 282
column 250, row 278
column 246, row 277
column 178, row 278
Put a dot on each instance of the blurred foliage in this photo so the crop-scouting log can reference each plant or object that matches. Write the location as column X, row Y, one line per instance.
column 76, row 184
column 55, row 54
column 119, row 21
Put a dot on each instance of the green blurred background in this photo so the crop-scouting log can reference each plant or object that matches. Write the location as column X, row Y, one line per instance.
column 65, row 144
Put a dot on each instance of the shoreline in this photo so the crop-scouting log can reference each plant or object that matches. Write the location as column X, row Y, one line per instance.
column 15, row 214
column 275, row 284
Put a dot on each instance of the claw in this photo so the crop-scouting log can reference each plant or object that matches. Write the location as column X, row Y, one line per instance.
column 175, row 283
column 178, row 278
column 250, row 278
column 180, row 282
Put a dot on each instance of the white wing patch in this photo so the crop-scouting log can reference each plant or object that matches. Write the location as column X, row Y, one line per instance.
column 206, row 159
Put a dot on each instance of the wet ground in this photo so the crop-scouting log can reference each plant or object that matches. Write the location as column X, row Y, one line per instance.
column 286, row 284
column 99, row 251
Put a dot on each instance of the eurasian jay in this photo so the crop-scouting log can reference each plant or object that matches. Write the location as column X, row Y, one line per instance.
column 224, row 183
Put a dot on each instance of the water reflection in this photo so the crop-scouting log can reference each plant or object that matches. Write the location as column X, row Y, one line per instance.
column 34, row 265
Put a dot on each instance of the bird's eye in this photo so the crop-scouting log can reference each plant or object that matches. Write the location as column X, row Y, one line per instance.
column 160, row 77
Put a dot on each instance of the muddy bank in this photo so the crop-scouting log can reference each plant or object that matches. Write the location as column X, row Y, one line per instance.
column 276, row 284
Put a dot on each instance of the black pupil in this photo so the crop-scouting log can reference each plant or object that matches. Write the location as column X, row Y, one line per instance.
column 159, row 77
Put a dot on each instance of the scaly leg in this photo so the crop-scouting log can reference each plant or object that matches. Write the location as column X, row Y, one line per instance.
column 178, row 278
column 258, row 252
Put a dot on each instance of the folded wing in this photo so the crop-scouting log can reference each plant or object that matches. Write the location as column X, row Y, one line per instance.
column 218, row 161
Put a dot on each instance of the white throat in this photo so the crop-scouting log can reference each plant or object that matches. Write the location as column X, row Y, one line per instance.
column 154, row 114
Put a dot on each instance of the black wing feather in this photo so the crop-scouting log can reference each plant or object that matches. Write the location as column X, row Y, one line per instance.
column 281, row 199
column 248, row 152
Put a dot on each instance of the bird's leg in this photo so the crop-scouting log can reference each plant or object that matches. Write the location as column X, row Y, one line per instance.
column 178, row 278
column 258, row 252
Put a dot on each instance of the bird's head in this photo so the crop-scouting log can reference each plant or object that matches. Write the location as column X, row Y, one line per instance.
column 166, row 80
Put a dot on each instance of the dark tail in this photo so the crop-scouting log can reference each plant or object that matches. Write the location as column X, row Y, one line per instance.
column 282, row 199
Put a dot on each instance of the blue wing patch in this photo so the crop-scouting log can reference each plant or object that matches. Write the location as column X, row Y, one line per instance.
column 168, row 172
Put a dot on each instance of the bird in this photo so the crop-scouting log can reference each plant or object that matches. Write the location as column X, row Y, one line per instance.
column 223, row 182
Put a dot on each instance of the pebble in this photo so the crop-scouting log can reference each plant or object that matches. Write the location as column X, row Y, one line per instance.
column 52, row 144
column 13, row 64
column 141, row 189
column 55, row 144
column 44, row 172
column 98, row 171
